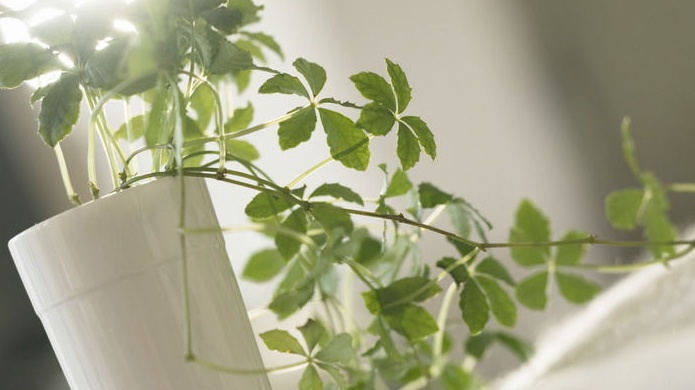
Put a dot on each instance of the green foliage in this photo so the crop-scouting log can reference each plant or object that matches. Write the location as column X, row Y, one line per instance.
column 186, row 66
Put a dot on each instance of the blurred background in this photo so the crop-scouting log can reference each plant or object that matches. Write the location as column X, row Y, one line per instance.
column 525, row 98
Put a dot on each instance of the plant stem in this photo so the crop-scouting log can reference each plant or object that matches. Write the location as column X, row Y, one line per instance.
column 241, row 371
column 65, row 175
column 308, row 172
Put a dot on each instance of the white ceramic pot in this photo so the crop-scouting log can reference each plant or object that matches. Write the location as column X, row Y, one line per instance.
column 106, row 280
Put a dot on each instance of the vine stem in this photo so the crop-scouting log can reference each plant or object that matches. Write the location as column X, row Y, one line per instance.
column 241, row 371
column 65, row 175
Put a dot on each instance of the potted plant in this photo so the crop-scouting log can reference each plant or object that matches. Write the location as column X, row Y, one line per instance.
column 187, row 63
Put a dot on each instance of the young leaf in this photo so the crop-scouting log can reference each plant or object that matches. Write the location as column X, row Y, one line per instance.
column 530, row 226
column 400, row 85
column 474, row 308
column 460, row 218
column 575, row 288
column 571, row 254
column 331, row 217
column 338, row 350
column 431, row 196
column 60, row 109
column 411, row 321
column 348, row 144
column 263, row 265
column 282, row 341
column 265, row 205
column 399, row 184
column 492, row 267
column 623, row 208
column 20, row 62
column 314, row 74
column 532, row 291
column 376, row 88
column 407, row 147
column 310, row 379
column 297, row 129
column 424, row 134
column 376, row 119
column 337, row 191
column 288, row 245
column 501, row 304
column 313, row 333
column 458, row 273
column 286, row 84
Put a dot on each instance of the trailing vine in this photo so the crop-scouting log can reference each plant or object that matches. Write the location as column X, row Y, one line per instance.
column 182, row 56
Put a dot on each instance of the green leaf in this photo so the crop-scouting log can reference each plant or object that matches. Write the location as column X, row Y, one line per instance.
column 60, row 109
column 530, row 226
column 575, row 288
column 502, row 306
column 282, row 341
column 338, row 377
column 431, row 196
column 477, row 345
column 411, row 321
column 286, row 84
column 424, row 134
column 265, row 40
column 338, row 350
column 455, row 378
column 522, row 349
column 337, row 191
column 265, row 205
column 203, row 102
column 310, row 379
column 376, row 119
column 242, row 150
column 492, row 267
column 241, row 119
column 297, row 129
column 229, row 58
column 224, row 19
column 376, row 88
column 288, row 302
column 348, row 144
column 371, row 302
column 571, row 254
column 20, row 62
column 332, row 218
column 399, row 184
column 400, row 85
column 137, row 129
column 532, row 291
column 458, row 273
column 313, row 333
column 263, row 265
column 314, row 74
column 623, row 208
column 407, row 147
column 158, row 128
column 460, row 218
column 658, row 228
column 474, row 307
column 288, row 245
column 407, row 290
